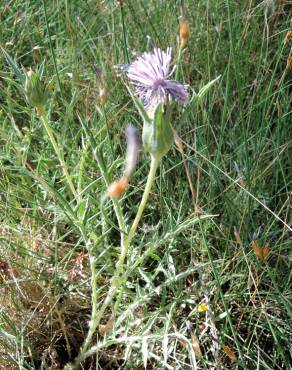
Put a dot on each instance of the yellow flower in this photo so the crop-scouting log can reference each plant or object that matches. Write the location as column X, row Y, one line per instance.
column 202, row 307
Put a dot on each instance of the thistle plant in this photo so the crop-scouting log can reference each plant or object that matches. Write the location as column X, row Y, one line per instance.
column 149, row 74
column 36, row 94
column 154, row 95
column 109, row 262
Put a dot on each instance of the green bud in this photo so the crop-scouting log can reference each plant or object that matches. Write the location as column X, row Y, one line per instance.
column 35, row 91
column 157, row 133
column 203, row 91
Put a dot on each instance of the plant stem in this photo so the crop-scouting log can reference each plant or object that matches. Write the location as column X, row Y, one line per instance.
column 94, row 313
column 116, row 281
column 151, row 177
column 178, row 63
column 58, row 152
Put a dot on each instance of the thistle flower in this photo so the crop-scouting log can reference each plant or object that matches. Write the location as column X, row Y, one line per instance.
column 150, row 73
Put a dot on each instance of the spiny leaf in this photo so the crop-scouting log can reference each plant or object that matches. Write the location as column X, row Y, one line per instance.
column 19, row 73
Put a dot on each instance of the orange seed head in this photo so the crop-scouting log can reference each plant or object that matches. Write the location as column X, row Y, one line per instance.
column 184, row 33
column 117, row 188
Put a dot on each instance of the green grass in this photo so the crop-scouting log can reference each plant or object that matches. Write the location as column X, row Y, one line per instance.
column 237, row 148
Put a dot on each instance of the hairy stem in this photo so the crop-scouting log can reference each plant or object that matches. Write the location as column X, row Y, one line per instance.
column 151, row 177
column 116, row 282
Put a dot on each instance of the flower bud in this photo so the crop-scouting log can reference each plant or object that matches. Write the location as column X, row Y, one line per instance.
column 203, row 91
column 36, row 52
column 132, row 150
column 117, row 188
column 35, row 92
column 100, row 84
column 157, row 134
column 184, row 34
column 102, row 96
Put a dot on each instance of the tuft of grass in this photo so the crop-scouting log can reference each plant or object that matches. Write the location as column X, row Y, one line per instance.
column 236, row 150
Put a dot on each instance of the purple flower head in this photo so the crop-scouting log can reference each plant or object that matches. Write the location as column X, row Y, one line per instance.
column 149, row 74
